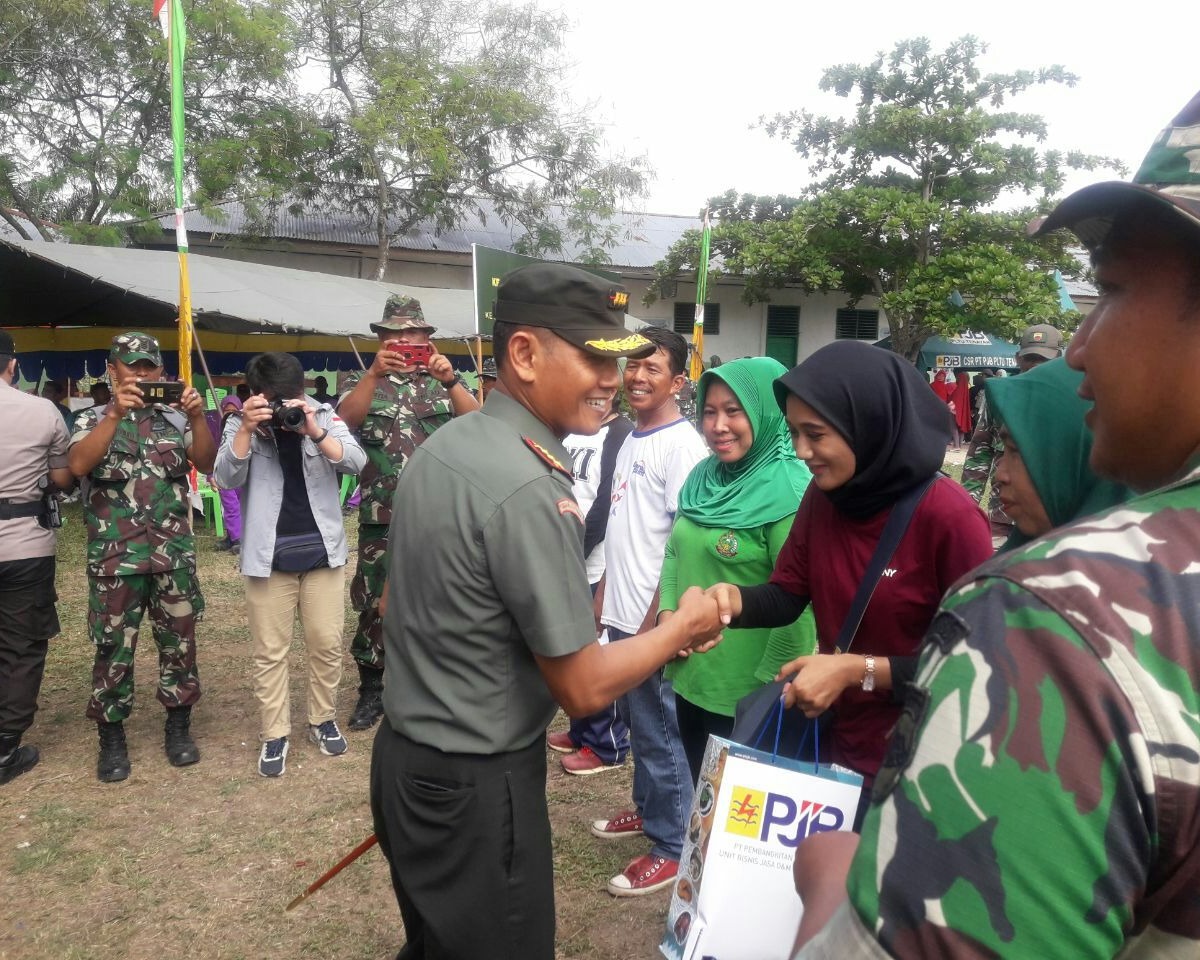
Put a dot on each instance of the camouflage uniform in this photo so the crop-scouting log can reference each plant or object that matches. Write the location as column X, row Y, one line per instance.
column 1057, row 703
column 406, row 409
column 141, row 554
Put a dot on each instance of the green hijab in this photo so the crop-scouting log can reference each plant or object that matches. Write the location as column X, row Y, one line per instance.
column 1044, row 413
column 768, row 482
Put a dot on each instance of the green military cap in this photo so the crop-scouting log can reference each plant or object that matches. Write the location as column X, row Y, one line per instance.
column 132, row 347
column 1168, row 178
column 402, row 313
column 1041, row 340
column 582, row 308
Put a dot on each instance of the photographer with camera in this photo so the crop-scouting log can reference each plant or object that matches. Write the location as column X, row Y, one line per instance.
column 287, row 450
column 132, row 456
column 33, row 462
column 394, row 406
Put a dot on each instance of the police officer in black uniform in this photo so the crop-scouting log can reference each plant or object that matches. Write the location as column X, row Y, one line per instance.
column 33, row 463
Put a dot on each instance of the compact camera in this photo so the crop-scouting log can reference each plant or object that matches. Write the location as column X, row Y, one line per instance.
column 288, row 418
column 161, row 391
column 413, row 354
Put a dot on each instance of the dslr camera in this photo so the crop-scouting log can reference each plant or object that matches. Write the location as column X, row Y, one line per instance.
column 287, row 418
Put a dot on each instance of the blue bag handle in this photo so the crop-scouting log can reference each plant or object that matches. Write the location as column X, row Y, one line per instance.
column 812, row 726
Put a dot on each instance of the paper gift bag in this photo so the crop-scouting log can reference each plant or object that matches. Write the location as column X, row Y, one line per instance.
column 734, row 897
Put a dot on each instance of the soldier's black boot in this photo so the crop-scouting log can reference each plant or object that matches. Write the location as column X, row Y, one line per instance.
column 181, row 748
column 369, row 708
column 14, row 758
column 113, row 765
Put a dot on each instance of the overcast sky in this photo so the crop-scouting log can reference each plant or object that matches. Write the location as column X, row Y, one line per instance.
column 682, row 82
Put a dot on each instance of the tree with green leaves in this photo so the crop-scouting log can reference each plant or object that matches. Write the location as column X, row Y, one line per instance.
column 85, row 136
column 906, row 201
column 433, row 106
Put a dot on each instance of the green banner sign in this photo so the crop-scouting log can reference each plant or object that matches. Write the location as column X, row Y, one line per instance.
column 489, row 266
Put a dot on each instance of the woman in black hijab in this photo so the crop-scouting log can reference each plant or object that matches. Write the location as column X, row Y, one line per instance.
column 870, row 430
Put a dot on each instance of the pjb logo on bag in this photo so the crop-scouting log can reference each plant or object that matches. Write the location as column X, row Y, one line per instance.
column 745, row 812
column 776, row 816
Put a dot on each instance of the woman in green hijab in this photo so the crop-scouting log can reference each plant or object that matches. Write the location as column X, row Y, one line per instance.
column 1043, row 478
column 735, row 512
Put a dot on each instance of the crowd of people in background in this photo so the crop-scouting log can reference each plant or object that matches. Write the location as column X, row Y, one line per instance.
column 543, row 551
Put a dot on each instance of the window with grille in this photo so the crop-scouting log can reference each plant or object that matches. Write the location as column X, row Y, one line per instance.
column 857, row 325
column 685, row 318
column 783, row 321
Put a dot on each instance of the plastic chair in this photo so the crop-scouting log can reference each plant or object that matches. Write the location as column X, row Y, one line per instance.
column 211, row 498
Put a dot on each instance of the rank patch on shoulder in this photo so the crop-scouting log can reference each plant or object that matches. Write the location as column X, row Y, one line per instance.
column 547, row 457
column 568, row 505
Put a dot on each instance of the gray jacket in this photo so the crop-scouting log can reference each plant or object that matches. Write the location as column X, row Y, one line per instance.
column 260, row 473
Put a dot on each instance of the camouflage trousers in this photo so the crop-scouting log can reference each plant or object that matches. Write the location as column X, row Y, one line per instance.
column 116, row 606
column 365, row 589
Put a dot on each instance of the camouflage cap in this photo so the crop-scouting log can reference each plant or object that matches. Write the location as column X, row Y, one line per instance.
column 132, row 347
column 489, row 368
column 1041, row 340
column 584, row 309
column 402, row 313
column 1169, row 178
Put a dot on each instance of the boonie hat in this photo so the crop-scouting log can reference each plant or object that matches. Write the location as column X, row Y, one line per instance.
column 582, row 308
column 402, row 313
column 132, row 347
column 1169, row 178
column 1041, row 340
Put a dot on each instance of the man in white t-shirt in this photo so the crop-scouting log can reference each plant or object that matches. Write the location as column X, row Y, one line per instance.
column 651, row 466
column 600, row 741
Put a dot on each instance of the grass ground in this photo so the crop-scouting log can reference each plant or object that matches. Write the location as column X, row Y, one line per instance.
column 201, row 861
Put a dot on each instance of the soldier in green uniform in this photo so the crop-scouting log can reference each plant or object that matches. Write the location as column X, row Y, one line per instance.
column 1041, row 794
column 493, row 623
column 393, row 406
column 132, row 457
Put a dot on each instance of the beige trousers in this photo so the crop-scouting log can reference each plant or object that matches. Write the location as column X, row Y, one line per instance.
column 271, row 605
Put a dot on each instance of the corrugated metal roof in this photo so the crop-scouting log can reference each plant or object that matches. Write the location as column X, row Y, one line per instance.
column 645, row 238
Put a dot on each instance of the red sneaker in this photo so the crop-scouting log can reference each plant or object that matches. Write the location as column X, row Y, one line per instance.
column 644, row 875
column 561, row 742
column 627, row 823
column 584, row 762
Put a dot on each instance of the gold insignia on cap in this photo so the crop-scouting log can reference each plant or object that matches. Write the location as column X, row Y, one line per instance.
column 631, row 342
column 546, row 456
column 618, row 300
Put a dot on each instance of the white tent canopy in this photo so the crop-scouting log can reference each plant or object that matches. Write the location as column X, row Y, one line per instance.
column 59, row 284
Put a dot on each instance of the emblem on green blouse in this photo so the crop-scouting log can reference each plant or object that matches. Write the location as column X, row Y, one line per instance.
column 727, row 544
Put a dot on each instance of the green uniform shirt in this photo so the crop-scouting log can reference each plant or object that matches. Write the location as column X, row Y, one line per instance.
column 405, row 410
column 486, row 555
column 746, row 659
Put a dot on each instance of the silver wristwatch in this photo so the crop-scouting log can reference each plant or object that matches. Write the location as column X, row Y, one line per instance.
column 868, row 680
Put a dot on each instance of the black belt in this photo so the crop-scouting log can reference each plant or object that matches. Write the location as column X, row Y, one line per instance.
column 10, row 511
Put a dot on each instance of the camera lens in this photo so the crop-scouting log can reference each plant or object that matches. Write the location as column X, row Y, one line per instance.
column 289, row 418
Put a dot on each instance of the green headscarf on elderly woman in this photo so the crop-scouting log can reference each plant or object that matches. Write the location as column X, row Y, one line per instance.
column 768, row 482
column 1043, row 413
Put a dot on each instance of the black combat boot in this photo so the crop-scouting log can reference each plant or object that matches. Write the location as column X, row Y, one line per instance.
column 181, row 748
column 113, row 765
column 14, row 758
column 370, row 699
